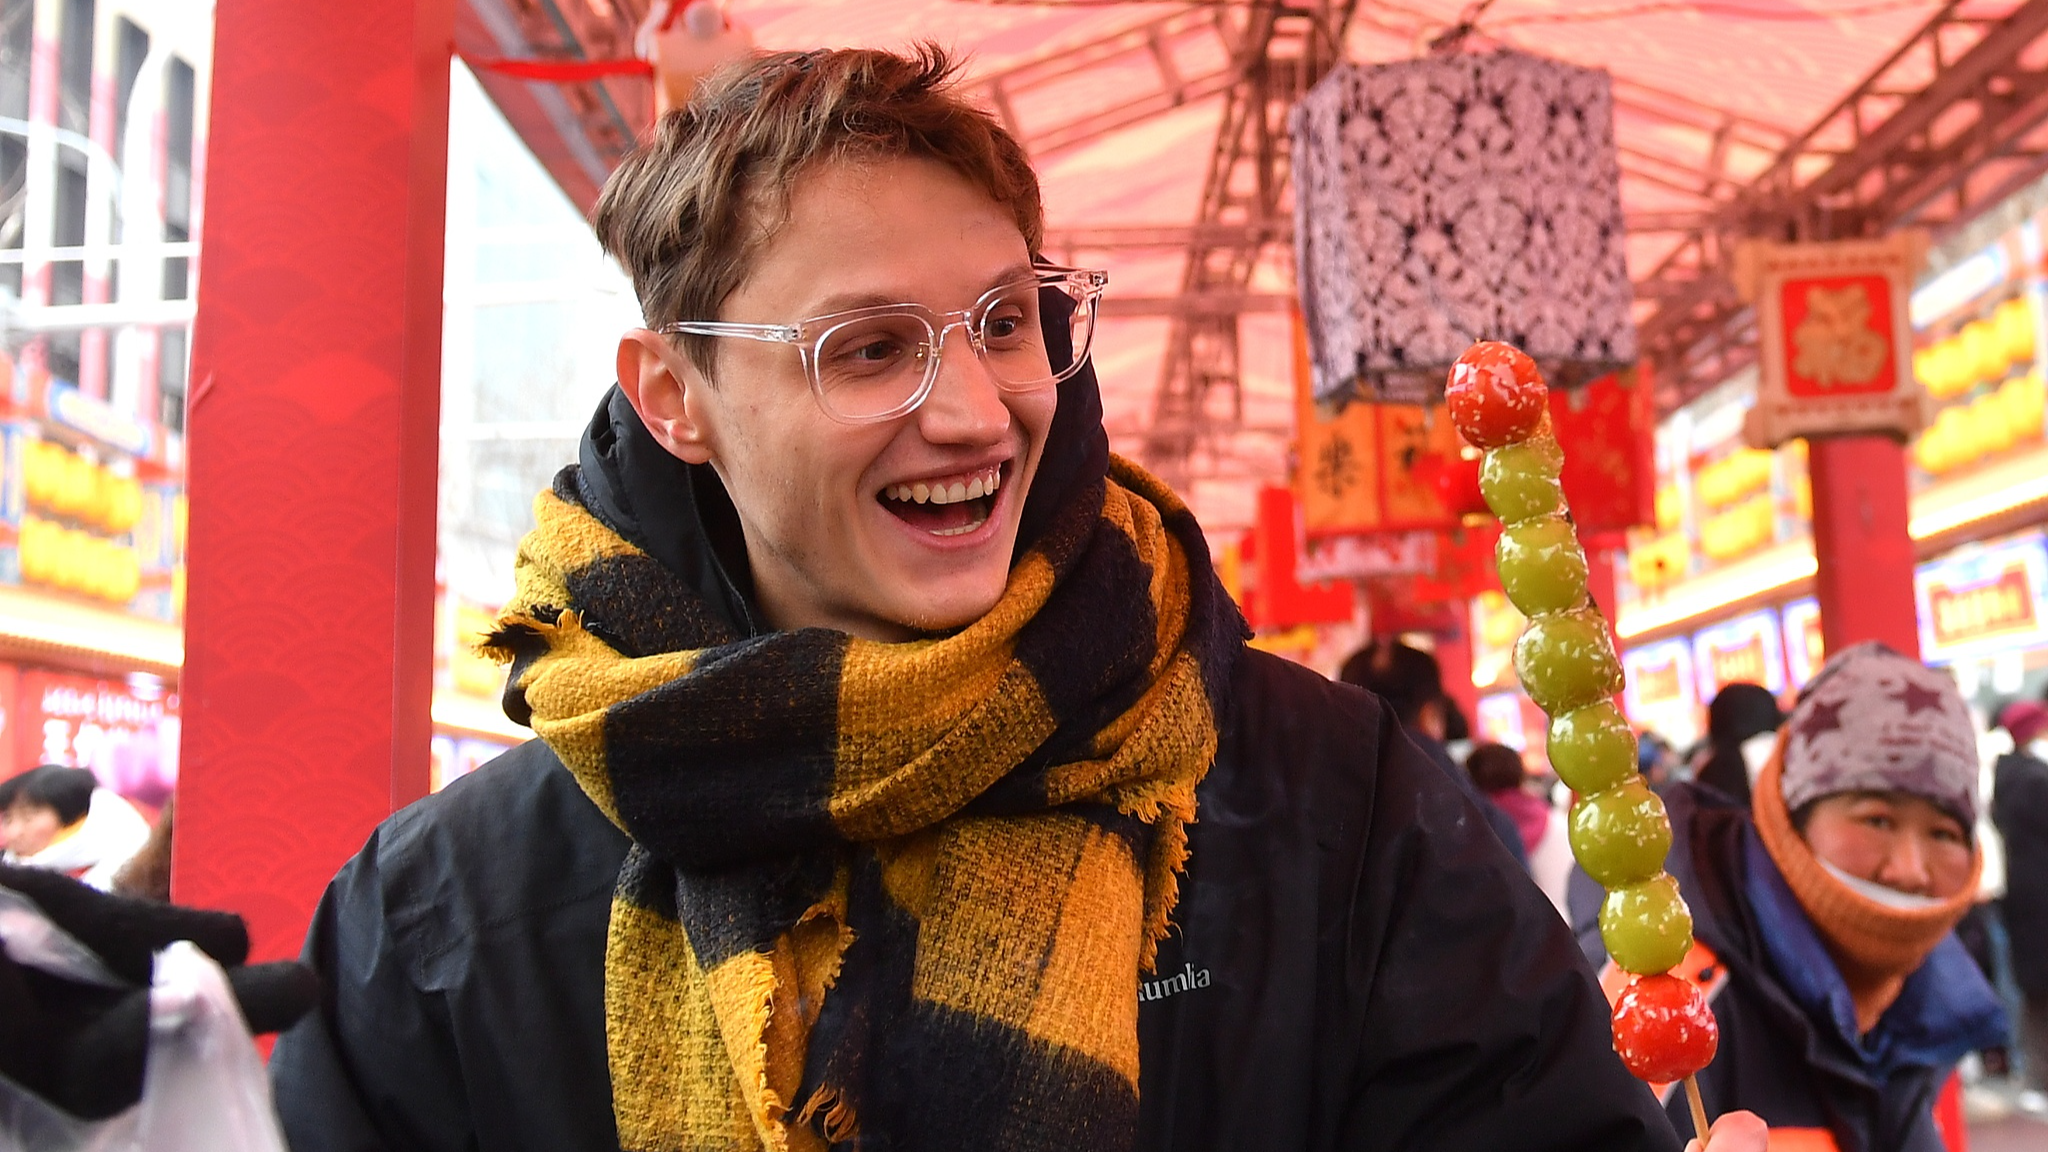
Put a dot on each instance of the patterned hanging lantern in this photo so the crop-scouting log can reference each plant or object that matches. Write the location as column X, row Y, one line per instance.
column 1455, row 198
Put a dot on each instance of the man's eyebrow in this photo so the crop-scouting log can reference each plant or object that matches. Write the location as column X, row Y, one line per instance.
column 848, row 301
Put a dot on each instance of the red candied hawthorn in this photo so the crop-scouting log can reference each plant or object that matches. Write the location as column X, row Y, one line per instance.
column 1496, row 395
column 1663, row 1029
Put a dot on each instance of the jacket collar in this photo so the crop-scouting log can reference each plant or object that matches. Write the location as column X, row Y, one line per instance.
column 1707, row 858
column 1945, row 1009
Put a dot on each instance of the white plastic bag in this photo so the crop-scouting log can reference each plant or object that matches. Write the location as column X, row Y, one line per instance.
column 203, row 1086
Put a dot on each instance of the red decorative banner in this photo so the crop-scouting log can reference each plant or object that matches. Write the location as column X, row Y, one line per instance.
column 1277, row 598
column 1841, row 335
column 1606, row 429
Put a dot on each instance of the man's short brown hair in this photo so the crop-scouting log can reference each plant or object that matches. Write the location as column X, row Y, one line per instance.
column 684, row 211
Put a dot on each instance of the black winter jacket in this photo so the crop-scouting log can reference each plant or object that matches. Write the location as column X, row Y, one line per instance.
column 1357, row 964
column 2019, row 807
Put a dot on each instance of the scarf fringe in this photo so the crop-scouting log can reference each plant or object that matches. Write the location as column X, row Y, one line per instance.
column 840, row 1124
column 519, row 633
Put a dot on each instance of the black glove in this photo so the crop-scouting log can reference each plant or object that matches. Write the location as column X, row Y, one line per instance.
column 81, row 1046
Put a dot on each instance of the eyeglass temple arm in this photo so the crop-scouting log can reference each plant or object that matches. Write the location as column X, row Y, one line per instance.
column 770, row 333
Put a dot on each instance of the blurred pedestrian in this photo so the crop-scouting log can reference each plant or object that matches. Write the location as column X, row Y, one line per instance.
column 1412, row 683
column 59, row 818
column 1656, row 759
column 1824, row 910
column 1498, row 771
column 8, row 788
column 2019, row 809
column 1503, row 777
column 1741, row 723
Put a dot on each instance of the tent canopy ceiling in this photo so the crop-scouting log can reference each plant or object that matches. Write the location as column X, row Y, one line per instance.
column 1120, row 104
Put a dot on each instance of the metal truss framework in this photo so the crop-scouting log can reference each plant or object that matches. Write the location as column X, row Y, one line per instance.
column 1272, row 55
column 608, row 114
column 1944, row 128
column 1948, row 125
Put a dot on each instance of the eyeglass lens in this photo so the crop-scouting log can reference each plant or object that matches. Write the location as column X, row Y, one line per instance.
column 876, row 364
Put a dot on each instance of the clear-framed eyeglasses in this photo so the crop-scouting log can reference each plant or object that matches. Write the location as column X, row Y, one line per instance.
column 867, row 365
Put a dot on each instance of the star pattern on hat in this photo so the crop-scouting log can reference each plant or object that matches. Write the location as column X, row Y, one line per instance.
column 1918, row 698
column 1822, row 718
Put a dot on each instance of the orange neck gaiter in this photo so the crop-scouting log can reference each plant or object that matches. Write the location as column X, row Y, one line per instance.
column 1875, row 947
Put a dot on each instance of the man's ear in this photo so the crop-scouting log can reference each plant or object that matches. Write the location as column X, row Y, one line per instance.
column 667, row 392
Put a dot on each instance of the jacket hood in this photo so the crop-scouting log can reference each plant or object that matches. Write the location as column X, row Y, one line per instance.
column 681, row 514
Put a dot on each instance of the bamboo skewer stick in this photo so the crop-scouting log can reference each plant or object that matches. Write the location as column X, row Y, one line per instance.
column 1699, row 1110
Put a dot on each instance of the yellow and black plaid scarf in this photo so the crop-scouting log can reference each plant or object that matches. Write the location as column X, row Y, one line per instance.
column 883, row 896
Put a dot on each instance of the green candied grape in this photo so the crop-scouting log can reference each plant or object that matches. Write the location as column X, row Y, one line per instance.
column 1592, row 749
column 1542, row 568
column 1566, row 660
column 1646, row 926
column 1520, row 481
column 1620, row 836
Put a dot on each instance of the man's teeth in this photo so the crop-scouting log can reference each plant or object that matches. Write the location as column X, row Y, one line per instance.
column 962, row 530
column 952, row 493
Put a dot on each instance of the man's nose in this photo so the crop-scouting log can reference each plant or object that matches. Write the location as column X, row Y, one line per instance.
column 965, row 403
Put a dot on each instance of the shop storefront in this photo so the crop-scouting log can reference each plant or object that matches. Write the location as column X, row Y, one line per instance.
column 1726, row 573
column 92, row 585
column 124, row 729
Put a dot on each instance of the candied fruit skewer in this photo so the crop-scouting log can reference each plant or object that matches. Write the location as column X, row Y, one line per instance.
column 1664, row 1030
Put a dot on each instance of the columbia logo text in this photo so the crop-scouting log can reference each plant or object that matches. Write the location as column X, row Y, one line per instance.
column 1188, row 977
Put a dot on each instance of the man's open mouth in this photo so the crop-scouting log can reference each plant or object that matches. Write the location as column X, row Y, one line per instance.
column 946, row 505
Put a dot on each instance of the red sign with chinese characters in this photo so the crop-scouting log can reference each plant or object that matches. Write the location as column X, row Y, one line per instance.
column 1832, row 336
column 1839, row 335
column 1660, row 683
column 125, row 732
column 2002, row 606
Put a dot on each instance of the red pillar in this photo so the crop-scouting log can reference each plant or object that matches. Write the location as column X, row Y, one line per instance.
column 312, row 448
column 1603, row 550
column 1454, row 663
column 1865, row 577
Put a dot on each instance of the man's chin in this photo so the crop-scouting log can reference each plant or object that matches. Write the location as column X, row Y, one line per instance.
column 948, row 612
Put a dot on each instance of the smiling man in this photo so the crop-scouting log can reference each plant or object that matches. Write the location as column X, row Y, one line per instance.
column 902, row 779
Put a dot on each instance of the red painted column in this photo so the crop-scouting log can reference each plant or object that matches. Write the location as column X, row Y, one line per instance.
column 1865, row 577
column 313, row 438
column 1454, row 664
column 1603, row 551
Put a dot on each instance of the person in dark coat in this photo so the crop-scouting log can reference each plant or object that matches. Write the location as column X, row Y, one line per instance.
column 1823, row 913
column 1740, row 713
column 1412, row 683
column 2019, row 810
column 904, row 780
